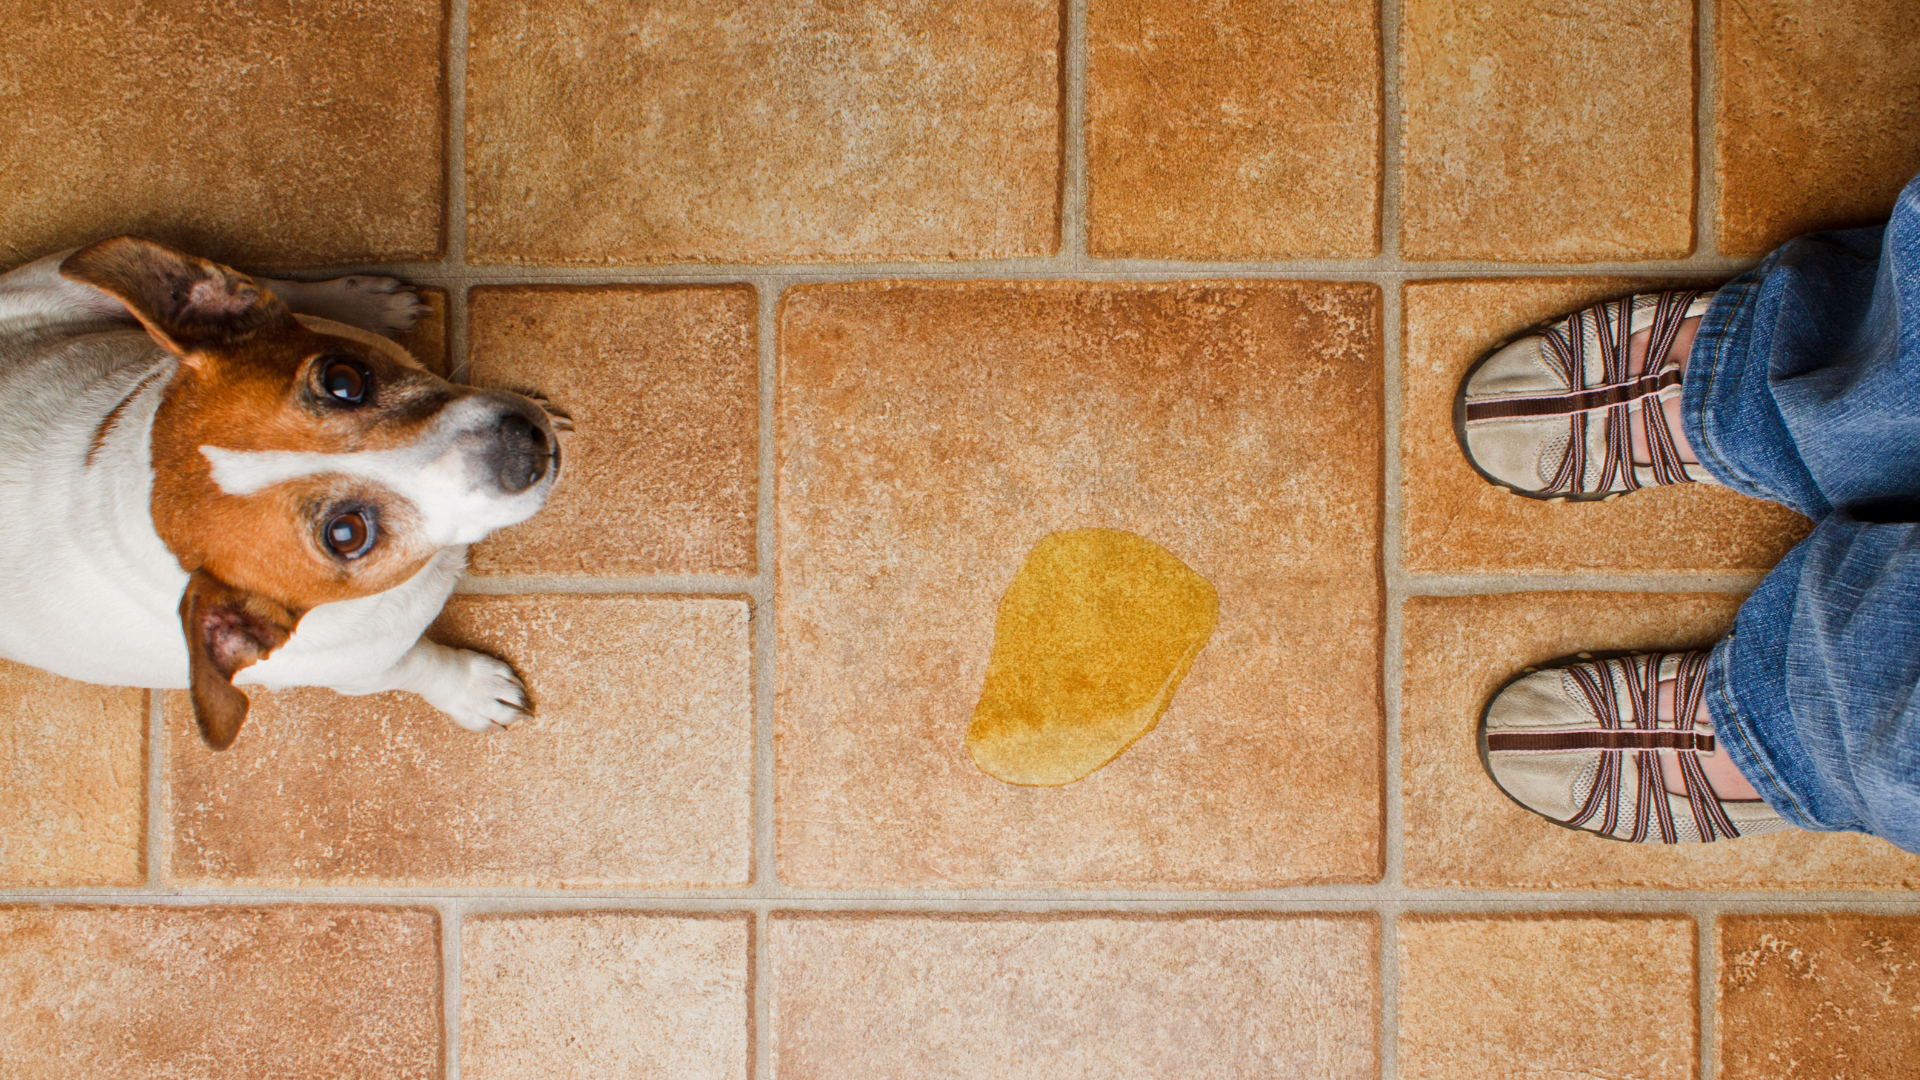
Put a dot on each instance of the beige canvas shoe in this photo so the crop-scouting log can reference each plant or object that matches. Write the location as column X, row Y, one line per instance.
column 1577, row 742
column 1547, row 414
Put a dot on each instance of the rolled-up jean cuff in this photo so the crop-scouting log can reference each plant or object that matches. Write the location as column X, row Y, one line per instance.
column 1719, row 342
column 1736, row 733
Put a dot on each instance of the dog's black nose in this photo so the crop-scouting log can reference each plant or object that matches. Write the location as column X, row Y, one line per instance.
column 524, row 452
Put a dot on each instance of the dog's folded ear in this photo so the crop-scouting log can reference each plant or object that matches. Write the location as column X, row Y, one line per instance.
column 226, row 630
column 188, row 304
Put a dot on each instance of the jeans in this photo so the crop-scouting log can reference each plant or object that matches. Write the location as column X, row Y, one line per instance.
column 1804, row 388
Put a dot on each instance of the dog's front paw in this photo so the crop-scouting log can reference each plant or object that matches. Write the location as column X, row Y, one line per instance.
column 480, row 693
column 381, row 304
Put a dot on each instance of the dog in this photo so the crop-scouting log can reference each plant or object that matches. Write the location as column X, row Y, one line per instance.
column 210, row 480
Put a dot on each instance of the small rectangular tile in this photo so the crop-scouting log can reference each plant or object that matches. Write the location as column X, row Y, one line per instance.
column 1456, row 522
column 1462, row 832
column 1057, row 998
column 1519, row 997
column 1231, row 129
column 1547, row 133
column 661, row 474
column 220, row 993
column 292, row 134
column 762, row 131
column 932, row 433
column 1830, row 996
column 1816, row 125
column 73, row 781
column 579, row 996
column 635, row 771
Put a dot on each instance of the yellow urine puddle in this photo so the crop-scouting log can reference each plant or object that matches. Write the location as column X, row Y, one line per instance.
column 1092, row 639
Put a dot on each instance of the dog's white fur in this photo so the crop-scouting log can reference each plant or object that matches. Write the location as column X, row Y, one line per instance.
column 87, row 588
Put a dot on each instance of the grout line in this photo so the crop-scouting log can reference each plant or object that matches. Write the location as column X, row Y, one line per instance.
column 451, row 922
column 472, row 901
column 766, row 604
column 447, row 274
column 1073, row 145
column 1709, row 931
column 1392, row 584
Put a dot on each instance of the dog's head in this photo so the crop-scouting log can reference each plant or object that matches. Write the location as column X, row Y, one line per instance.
column 298, row 462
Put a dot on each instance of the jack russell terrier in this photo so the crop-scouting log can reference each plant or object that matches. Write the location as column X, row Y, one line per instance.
column 250, row 486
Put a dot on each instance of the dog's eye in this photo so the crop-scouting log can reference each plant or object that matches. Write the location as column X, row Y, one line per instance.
column 344, row 380
column 349, row 535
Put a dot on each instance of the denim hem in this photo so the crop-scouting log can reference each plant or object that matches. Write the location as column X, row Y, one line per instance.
column 1737, row 737
column 1720, row 344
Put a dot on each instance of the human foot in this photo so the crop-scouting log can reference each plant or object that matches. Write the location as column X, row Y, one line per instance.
column 1562, row 412
column 1726, row 779
column 1677, row 355
column 1583, row 743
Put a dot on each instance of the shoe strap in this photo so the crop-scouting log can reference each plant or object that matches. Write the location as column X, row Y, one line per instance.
column 1600, row 683
column 1565, row 348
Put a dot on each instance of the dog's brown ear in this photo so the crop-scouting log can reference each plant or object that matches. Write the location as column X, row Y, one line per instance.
column 187, row 303
column 226, row 629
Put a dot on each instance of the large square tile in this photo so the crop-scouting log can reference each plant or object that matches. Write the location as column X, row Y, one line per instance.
column 578, row 996
column 635, row 771
column 763, row 131
column 1462, row 832
column 73, row 781
column 930, row 434
column 1056, row 998
column 1547, row 133
column 220, row 993
column 661, row 474
column 1817, row 126
column 1519, row 997
column 275, row 134
column 1233, row 129
column 1817, row 996
column 1456, row 522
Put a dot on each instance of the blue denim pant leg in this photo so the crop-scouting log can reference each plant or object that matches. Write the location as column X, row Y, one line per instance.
column 1804, row 388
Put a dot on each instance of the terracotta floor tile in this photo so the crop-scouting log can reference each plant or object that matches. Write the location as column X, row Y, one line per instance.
column 73, row 774
column 1456, row 522
column 1462, row 832
column 1546, row 133
column 635, row 771
column 662, row 472
column 1224, row 131
column 290, row 135
column 1817, row 997
column 767, row 131
column 932, row 433
column 1818, row 124
column 586, row 995
column 162, row 993
column 1054, row 998
column 1519, row 997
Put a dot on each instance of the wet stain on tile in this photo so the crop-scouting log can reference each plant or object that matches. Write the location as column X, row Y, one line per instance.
column 1092, row 640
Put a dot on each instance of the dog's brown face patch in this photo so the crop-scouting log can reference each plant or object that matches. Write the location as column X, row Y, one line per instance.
column 311, row 539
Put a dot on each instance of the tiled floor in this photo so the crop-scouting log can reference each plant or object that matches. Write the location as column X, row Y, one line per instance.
column 853, row 303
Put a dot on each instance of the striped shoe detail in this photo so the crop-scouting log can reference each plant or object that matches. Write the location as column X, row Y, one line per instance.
column 1602, row 685
column 1601, row 333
